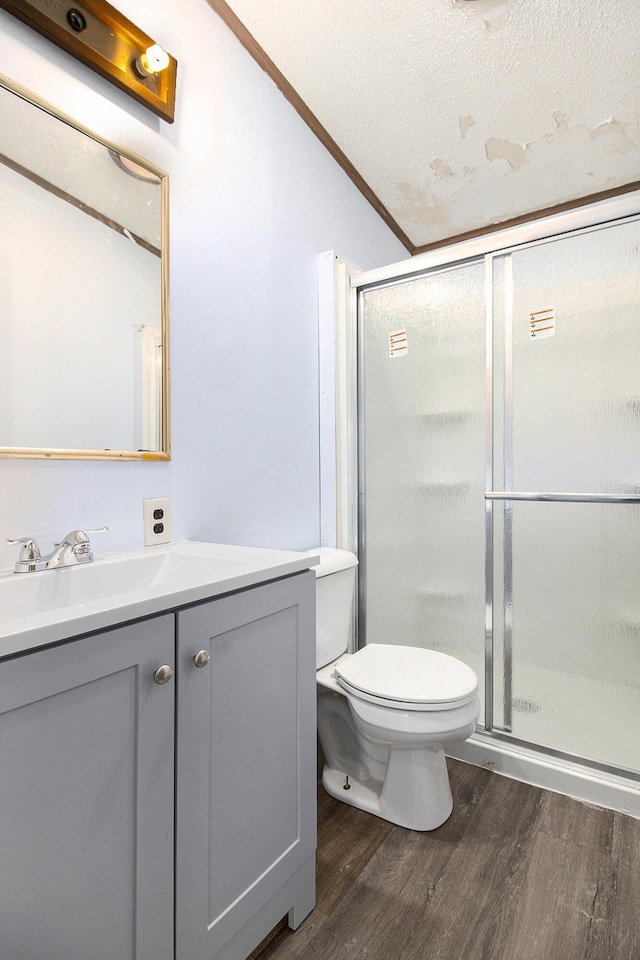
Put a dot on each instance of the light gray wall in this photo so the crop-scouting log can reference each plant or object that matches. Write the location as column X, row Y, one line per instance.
column 254, row 199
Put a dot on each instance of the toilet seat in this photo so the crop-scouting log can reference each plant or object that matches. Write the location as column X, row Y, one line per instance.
column 407, row 678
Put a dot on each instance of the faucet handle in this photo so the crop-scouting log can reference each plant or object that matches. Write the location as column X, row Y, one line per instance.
column 82, row 546
column 79, row 543
column 79, row 537
column 29, row 548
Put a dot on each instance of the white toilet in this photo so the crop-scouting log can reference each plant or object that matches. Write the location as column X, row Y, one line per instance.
column 386, row 712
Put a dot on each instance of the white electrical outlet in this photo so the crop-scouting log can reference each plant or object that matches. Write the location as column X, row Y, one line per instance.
column 157, row 521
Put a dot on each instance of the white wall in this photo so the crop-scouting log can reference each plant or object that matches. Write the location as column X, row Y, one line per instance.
column 254, row 199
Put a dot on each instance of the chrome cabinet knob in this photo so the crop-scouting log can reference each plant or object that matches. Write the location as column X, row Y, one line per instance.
column 202, row 658
column 163, row 674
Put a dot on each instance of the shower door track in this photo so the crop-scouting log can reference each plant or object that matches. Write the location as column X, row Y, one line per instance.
column 502, row 736
column 565, row 497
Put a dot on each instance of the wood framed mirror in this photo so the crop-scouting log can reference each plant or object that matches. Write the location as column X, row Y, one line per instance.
column 84, row 319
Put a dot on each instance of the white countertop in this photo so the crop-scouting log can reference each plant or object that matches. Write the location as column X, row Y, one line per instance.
column 42, row 608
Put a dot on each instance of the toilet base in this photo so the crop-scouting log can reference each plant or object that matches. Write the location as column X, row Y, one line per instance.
column 364, row 795
column 415, row 792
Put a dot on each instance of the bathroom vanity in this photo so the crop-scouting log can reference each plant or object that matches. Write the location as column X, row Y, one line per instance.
column 157, row 749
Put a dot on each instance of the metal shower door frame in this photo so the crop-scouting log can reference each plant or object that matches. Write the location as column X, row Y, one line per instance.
column 488, row 249
column 508, row 496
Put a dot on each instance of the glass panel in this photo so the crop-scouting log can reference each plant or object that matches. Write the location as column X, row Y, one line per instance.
column 576, row 629
column 567, row 408
column 424, row 431
column 576, row 384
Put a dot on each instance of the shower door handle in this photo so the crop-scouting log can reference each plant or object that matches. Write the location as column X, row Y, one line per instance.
column 565, row 497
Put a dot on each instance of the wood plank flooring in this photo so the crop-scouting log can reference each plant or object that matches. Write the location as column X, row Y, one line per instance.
column 516, row 873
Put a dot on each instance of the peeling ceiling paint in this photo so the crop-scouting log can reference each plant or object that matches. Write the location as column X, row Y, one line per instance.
column 460, row 114
column 493, row 13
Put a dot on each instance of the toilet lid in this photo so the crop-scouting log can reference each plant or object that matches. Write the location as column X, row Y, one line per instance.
column 407, row 675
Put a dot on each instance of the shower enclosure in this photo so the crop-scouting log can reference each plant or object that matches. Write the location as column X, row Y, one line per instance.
column 499, row 451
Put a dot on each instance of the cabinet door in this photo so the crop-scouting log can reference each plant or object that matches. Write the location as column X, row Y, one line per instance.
column 246, row 815
column 86, row 799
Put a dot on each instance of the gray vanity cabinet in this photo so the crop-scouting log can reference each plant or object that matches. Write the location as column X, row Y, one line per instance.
column 86, row 798
column 89, row 797
column 245, row 800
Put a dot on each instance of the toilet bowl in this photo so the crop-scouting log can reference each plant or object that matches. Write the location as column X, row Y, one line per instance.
column 386, row 713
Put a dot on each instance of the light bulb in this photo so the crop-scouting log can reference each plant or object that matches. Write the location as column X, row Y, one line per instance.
column 154, row 59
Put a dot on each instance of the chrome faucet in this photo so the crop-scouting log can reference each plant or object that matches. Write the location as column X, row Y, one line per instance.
column 73, row 549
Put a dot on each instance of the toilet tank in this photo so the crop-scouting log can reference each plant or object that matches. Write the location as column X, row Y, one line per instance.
column 335, row 591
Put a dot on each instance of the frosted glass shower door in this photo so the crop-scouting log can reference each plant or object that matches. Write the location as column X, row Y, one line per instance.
column 567, row 569
column 422, row 453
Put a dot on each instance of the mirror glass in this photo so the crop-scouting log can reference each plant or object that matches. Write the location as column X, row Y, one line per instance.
column 83, row 274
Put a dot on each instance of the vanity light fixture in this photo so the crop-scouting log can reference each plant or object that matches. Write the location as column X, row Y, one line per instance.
column 155, row 59
column 102, row 38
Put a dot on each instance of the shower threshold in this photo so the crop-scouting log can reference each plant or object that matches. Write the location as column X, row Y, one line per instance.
column 533, row 765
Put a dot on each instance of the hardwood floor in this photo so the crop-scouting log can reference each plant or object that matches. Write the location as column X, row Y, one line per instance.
column 516, row 873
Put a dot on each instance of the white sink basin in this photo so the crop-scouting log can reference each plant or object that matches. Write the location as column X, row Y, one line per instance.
column 39, row 608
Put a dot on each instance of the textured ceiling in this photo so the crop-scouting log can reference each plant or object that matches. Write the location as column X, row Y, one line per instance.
column 461, row 114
